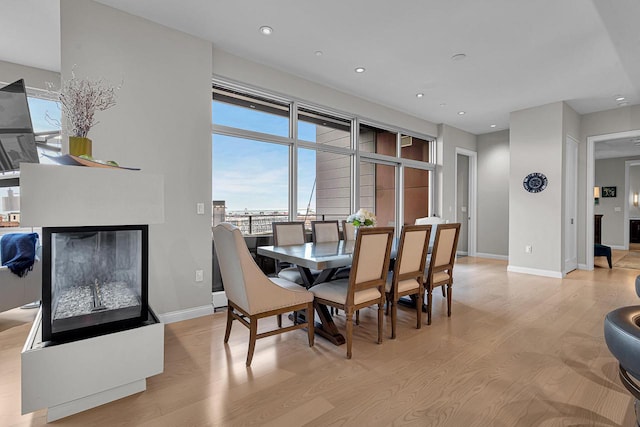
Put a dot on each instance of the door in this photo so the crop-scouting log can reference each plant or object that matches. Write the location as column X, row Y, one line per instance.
column 571, row 206
column 465, row 200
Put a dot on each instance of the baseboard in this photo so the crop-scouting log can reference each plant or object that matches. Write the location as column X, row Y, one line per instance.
column 617, row 247
column 189, row 313
column 462, row 253
column 535, row 271
column 492, row 256
column 219, row 299
column 584, row 267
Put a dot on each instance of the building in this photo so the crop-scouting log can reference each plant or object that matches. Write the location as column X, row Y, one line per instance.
column 162, row 66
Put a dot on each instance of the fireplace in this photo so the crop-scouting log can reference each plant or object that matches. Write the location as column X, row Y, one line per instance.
column 95, row 280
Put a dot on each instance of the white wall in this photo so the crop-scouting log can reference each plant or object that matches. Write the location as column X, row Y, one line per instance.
column 162, row 124
column 493, row 194
column 536, row 145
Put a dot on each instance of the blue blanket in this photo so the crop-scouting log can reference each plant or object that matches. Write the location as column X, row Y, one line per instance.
column 18, row 252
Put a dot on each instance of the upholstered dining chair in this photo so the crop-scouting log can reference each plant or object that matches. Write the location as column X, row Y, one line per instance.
column 252, row 295
column 408, row 273
column 284, row 234
column 366, row 283
column 325, row 231
column 348, row 230
column 440, row 270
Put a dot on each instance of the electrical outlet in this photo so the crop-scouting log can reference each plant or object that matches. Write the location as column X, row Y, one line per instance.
column 199, row 275
column 200, row 208
column 528, row 249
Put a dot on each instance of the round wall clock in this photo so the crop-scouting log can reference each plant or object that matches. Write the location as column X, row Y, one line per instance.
column 535, row 182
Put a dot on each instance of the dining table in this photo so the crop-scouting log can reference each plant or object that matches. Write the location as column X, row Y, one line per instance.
column 326, row 258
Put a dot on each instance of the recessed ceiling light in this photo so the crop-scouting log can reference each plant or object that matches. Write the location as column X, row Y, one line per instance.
column 620, row 98
column 266, row 30
column 443, row 104
column 458, row 57
column 492, row 126
column 360, row 70
column 318, row 53
column 419, row 95
column 462, row 113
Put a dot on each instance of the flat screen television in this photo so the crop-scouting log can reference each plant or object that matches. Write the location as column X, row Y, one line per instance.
column 17, row 141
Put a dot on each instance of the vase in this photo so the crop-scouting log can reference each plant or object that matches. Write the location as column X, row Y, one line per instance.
column 79, row 146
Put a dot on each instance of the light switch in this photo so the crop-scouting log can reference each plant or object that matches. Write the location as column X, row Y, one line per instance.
column 463, row 209
column 199, row 275
column 617, row 209
column 200, row 208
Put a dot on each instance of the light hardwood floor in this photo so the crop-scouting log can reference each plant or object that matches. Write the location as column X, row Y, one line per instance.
column 519, row 350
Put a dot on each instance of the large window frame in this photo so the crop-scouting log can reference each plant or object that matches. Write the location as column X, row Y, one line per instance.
column 355, row 154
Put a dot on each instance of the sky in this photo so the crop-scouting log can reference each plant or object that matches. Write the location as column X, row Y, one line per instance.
column 253, row 175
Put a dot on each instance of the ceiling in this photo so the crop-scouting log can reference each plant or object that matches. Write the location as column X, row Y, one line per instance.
column 519, row 53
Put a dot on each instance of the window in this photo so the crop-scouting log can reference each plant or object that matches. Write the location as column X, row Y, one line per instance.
column 267, row 168
column 45, row 117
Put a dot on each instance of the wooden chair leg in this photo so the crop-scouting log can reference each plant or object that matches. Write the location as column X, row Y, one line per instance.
column 380, row 321
column 443, row 293
column 357, row 317
column 386, row 311
column 253, row 331
column 279, row 317
column 394, row 317
column 429, row 305
column 349, row 336
column 310, row 323
column 419, row 310
column 229, row 323
column 449, row 289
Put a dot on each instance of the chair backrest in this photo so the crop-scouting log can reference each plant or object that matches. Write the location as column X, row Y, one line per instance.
column 288, row 233
column 325, row 231
column 443, row 254
column 348, row 230
column 434, row 221
column 412, row 254
column 244, row 283
column 370, row 260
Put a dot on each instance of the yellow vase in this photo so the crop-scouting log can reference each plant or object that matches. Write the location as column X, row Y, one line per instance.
column 79, row 146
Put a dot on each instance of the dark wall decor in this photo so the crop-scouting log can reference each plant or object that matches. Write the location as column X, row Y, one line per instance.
column 535, row 182
column 609, row 191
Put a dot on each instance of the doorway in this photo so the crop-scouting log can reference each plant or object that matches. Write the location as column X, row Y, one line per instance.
column 465, row 199
column 589, row 223
column 571, row 206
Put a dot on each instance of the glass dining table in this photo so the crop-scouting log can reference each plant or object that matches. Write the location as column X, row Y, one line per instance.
column 325, row 257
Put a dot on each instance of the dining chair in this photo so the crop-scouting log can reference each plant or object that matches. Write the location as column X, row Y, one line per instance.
column 251, row 294
column 325, row 231
column 366, row 283
column 285, row 234
column 408, row 273
column 348, row 230
column 440, row 270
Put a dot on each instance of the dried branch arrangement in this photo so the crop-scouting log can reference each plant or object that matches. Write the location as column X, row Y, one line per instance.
column 81, row 98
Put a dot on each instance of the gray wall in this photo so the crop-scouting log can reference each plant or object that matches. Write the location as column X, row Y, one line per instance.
column 448, row 139
column 536, row 145
column 603, row 122
column 162, row 124
column 634, row 187
column 611, row 173
column 493, row 194
column 34, row 78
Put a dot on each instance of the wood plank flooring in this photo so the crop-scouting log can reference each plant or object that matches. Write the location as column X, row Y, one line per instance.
column 519, row 350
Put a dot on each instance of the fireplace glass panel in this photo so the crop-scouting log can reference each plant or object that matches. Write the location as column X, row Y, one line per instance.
column 97, row 279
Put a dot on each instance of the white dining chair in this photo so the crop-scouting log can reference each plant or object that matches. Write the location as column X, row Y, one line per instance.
column 251, row 294
column 325, row 231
